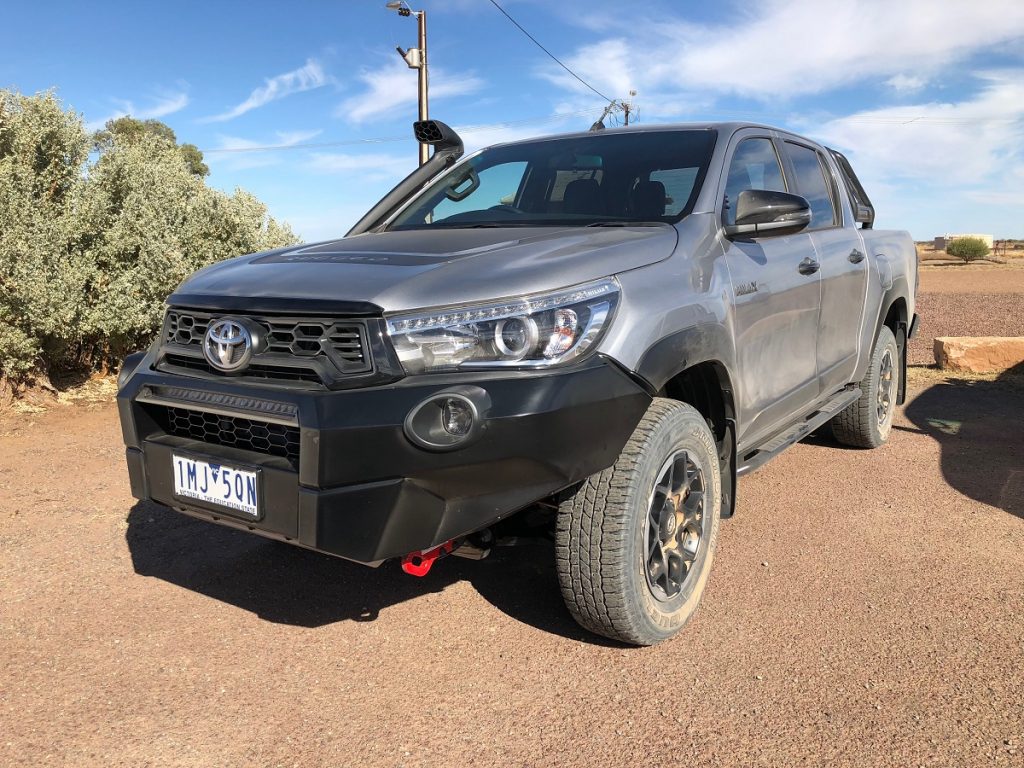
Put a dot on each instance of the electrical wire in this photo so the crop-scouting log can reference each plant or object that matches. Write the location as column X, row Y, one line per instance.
column 392, row 139
column 549, row 53
column 896, row 120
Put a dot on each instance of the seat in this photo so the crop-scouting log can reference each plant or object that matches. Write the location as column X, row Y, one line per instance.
column 582, row 196
column 648, row 200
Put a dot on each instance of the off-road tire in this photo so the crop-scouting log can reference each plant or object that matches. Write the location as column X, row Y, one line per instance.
column 602, row 544
column 859, row 424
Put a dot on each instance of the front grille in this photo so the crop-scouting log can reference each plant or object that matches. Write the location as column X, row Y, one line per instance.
column 296, row 351
column 234, row 432
column 253, row 371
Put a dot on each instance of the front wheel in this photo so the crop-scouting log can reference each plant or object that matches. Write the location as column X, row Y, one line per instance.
column 867, row 422
column 635, row 542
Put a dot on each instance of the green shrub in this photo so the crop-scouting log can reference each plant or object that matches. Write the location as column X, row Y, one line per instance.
column 967, row 248
column 90, row 247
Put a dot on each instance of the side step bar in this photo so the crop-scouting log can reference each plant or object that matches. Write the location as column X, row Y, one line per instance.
column 794, row 433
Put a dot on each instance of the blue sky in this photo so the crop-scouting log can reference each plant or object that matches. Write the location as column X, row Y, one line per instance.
column 925, row 96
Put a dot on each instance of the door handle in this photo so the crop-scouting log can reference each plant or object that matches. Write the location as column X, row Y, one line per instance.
column 809, row 266
column 856, row 257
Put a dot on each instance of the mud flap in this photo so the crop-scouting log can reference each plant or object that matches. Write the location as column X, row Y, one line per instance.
column 727, row 465
column 901, row 345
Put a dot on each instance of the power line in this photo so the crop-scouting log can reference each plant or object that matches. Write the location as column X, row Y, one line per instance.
column 390, row 139
column 896, row 120
column 549, row 53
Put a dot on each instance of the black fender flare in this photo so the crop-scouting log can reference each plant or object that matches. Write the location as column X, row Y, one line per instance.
column 899, row 290
column 675, row 353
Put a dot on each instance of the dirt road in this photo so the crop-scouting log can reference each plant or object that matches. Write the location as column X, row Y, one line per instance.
column 865, row 609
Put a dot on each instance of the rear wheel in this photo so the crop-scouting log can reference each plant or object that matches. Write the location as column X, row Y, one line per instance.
column 868, row 422
column 635, row 542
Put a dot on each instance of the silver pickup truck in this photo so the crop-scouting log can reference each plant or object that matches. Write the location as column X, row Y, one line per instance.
column 612, row 326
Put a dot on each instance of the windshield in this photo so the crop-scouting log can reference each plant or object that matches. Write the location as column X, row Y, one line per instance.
column 641, row 177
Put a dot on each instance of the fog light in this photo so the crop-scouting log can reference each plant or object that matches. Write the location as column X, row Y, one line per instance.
column 449, row 420
column 457, row 417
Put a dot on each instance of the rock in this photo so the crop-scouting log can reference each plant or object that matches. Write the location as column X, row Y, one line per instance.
column 979, row 354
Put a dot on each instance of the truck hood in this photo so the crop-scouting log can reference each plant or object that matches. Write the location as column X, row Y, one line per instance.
column 421, row 268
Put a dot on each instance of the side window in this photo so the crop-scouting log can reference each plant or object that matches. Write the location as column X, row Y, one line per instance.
column 499, row 185
column 812, row 184
column 754, row 166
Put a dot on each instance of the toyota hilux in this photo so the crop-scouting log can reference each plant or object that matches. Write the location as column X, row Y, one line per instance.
column 613, row 325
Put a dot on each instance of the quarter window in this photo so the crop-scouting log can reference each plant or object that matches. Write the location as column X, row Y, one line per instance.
column 754, row 165
column 811, row 183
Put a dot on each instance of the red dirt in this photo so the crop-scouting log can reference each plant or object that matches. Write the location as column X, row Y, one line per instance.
column 865, row 609
column 967, row 301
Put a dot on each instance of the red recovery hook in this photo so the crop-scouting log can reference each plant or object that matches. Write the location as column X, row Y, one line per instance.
column 419, row 563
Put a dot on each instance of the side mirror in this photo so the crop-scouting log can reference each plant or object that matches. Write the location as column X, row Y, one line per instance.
column 761, row 212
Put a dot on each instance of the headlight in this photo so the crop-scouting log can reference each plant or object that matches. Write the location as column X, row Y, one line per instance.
column 535, row 331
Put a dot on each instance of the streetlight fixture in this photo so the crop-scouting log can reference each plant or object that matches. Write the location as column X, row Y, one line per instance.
column 416, row 58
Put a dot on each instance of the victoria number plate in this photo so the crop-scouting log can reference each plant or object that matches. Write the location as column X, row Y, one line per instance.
column 217, row 484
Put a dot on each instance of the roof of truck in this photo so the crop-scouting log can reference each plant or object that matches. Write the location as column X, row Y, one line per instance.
column 727, row 127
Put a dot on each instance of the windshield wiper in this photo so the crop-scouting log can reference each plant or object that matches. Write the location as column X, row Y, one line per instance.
column 623, row 223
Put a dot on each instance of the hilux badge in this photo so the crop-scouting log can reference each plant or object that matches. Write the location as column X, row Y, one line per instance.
column 228, row 344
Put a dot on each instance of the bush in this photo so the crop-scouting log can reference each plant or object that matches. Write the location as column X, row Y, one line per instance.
column 90, row 247
column 967, row 248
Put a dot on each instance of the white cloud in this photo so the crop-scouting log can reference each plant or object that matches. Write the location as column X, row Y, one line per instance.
column 305, row 78
column 393, row 87
column 976, row 141
column 786, row 48
column 366, row 167
column 163, row 105
column 235, row 153
column 906, row 83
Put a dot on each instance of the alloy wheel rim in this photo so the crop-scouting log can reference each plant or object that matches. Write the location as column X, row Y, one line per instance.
column 674, row 531
column 886, row 379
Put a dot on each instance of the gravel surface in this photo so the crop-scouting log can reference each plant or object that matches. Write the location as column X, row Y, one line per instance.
column 967, row 301
column 865, row 610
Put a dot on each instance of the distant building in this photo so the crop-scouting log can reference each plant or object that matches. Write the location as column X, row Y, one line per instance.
column 943, row 240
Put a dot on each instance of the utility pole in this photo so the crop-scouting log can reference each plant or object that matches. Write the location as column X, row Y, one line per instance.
column 416, row 58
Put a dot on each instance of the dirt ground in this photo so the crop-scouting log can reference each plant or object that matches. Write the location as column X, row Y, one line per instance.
column 979, row 300
column 865, row 609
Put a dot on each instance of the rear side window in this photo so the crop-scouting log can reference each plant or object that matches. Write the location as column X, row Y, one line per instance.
column 754, row 165
column 813, row 185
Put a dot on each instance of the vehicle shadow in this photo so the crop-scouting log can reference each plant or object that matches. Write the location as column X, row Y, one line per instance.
column 979, row 426
column 290, row 585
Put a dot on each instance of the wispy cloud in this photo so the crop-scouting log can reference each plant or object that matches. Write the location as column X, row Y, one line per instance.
column 164, row 104
column 307, row 77
column 903, row 84
column 393, row 87
column 948, row 144
column 938, row 166
column 367, row 167
column 235, row 153
column 862, row 40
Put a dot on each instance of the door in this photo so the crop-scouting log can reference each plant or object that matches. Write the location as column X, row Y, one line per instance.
column 844, row 265
column 776, row 303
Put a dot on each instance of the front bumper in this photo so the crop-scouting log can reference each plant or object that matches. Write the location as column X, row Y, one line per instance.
column 354, row 485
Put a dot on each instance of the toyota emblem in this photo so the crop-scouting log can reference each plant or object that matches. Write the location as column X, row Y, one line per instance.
column 228, row 344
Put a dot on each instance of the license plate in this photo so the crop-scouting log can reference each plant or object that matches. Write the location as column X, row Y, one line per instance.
column 218, row 484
